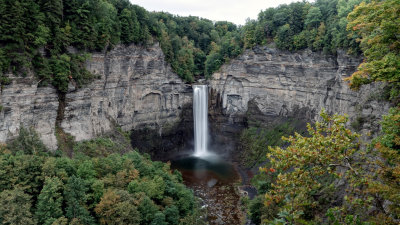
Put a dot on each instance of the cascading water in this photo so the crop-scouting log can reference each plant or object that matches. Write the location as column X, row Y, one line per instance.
column 200, row 114
column 211, row 177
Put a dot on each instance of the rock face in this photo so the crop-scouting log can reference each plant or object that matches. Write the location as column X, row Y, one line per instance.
column 277, row 84
column 25, row 104
column 136, row 89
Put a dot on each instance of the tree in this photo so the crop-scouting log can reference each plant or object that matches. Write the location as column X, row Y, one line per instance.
column 308, row 166
column 313, row 18
column 385, row 185
column 117, row 207
column 86, row 170
column 107, row 26
column 75, row 197
column 159, row 219
column 23, row 171
column 249, row 37
column 152, row 188
column 28, row 141
column 171, row 215
column 284, row 37
column 147, row 209
column 61, row 69
column 54, row 11
column 377, row 23
column 15, row 208
column 49, row 205
column 319, row 43
column 129, row 26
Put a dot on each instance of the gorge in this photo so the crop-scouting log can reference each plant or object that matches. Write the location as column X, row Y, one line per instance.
column 136, row 89
column 112, row 114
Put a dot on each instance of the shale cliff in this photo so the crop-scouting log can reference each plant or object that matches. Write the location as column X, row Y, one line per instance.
column 135, row 88
column 271, row 84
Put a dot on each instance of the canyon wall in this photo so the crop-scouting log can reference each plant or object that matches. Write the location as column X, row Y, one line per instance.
column 135, row 88
column 278, row 84
column 25, row 104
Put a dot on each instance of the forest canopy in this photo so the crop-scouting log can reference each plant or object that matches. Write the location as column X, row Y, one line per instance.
column 36, row 36
column 105, row 182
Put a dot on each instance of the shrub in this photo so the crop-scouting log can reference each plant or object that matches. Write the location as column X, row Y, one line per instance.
column 28, row 141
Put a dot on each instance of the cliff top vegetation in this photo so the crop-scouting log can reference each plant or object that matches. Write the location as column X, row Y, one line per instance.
column 36, row 36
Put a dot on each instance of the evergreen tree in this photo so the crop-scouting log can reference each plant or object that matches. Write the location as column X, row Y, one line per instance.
column 49, row 205
column 75, row 197
column 159, row 219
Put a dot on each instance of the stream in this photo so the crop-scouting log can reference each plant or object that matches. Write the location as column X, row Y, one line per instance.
column 215, row 182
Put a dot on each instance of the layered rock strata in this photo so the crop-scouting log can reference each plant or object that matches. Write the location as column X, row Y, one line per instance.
column 278, row 84
column 135, row 88
column 23, row 103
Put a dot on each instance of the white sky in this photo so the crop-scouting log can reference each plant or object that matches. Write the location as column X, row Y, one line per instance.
column 236, row 11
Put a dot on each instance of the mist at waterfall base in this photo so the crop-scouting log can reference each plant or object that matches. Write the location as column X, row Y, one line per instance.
column 203, row 160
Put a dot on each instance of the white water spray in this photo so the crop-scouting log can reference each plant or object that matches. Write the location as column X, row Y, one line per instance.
column 200, row 115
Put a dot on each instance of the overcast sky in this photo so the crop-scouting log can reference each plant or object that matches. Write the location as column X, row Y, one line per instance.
column 236, row 11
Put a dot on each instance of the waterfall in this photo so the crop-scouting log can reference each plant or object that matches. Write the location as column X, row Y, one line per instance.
column 200, row 116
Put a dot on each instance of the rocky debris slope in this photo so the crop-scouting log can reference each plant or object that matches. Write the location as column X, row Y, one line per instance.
column 279, row 84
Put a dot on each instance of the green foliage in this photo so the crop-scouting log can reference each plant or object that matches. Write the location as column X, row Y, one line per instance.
column 307, row 167
column 89, row 189
column 284, row 37
column 298, row 182
column 171, row 215
column 259, row 212
column 147, row 209
column 98, row 147
column 75, row 198
column 28, row 142
column 152, row 188
column 337, row 216
column 37, row 35
column 377, row 23
column 254, row 140
column 159, row 219
column 197, row 47
column 117, row 208
column 15, row 208
column 320, row 25
column 385, row 182
column 313, row 18
column 50, row 199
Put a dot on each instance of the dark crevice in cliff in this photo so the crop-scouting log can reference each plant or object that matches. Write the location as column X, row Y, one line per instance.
column 64, row 140
column 61, row 108
column 106, row 68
